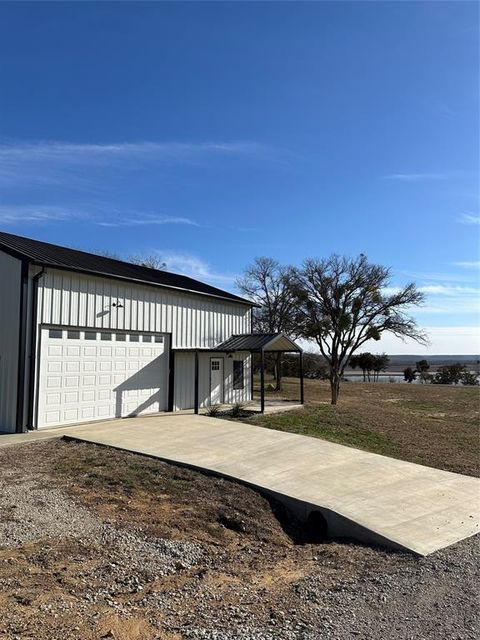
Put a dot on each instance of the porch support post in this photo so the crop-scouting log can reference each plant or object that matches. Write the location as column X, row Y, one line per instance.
column 196, row 383
column 262, row 381
column 251, row 376
column 302, row 393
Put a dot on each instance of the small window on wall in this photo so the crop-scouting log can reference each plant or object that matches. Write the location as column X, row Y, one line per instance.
column 54, row 333
column 238, row 374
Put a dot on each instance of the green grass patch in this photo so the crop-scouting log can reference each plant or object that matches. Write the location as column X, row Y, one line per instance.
column 324, row 422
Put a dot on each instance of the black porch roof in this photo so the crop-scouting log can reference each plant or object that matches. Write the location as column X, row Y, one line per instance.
column 258, row 342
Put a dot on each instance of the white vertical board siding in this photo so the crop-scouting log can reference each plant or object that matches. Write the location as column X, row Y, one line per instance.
column 184, row 396
column 195, row 321
column 10, row 287
column 230, row 395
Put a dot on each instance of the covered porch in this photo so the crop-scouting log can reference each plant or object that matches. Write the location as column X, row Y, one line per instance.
column 262, row 344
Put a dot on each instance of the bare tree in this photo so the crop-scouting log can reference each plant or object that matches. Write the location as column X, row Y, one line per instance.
column 152, row 261
column 269, row 284
column 345, row 302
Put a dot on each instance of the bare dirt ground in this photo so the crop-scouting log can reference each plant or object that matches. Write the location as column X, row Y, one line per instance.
column 97, row 543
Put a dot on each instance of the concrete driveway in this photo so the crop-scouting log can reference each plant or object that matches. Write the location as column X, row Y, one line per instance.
column 361, row 495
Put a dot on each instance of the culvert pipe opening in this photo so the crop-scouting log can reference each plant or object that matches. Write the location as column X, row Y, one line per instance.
column 317, row 525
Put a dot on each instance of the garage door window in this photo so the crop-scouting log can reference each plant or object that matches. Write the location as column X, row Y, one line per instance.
column 73, row 335
column 55, row 333
column 90, row 335
column 134, row 337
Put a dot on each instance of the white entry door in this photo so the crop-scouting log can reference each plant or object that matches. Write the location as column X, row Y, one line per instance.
column 93, row 375
column 216, row 381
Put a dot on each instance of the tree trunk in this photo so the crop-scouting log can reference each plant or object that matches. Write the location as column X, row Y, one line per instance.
column 335, row 387
column 278, row 372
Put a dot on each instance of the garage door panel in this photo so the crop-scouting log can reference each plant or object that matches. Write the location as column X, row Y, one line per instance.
column 98, row 380
column 54, row 382
column 52, row 417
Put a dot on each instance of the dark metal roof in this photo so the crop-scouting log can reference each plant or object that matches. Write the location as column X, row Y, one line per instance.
column 52, row 255
column 257, row 342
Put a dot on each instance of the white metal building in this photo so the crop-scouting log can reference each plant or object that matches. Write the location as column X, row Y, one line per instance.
column 85, row 338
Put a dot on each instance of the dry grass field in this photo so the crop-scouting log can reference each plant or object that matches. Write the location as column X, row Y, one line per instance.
column 429, row 424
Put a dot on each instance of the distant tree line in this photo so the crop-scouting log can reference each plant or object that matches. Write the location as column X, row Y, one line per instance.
column 455, row 373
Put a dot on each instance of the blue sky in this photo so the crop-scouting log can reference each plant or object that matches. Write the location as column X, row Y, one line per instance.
column 212, row 133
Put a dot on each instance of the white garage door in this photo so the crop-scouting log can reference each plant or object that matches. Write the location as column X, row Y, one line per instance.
column 94, row 375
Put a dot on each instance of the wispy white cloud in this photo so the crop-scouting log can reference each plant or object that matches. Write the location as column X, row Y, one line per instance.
column 145, row 220
column 53, row 162
column 469, row 218
column 468, row 264
column 447, row 294
column 414, row 177
column 17, row 214
column 191, row 265
column 101, row 215
column 439, row 277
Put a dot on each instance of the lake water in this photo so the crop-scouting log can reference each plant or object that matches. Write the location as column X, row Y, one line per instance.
column 396, row 378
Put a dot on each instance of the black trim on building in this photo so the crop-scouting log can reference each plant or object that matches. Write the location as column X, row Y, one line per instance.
column 33, row 345
column 22, row 347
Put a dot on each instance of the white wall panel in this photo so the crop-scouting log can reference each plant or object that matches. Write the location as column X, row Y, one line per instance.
column 196, row 321
column 185, row 379
column 10, row 270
